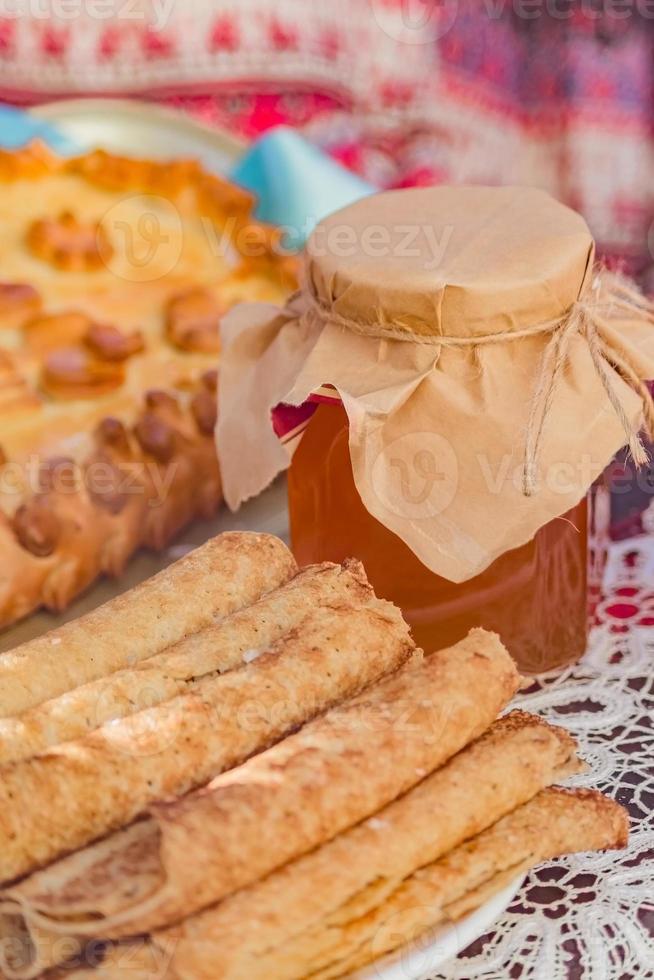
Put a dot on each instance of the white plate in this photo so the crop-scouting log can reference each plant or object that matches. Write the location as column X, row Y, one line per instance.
column 419, row 960
column 132, row 127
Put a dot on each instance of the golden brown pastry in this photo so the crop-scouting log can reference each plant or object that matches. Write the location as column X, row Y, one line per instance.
column 115, row 273
column 555, row 823
column 229, row 572
column 215, row 649
column 246, row 823
column 114, row 773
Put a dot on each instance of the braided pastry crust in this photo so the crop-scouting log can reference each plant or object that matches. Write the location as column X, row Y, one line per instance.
column 115, row 274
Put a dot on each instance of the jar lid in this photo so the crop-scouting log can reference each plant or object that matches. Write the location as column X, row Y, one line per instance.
column 450, row 260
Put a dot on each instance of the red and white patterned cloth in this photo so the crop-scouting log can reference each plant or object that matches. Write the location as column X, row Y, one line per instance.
column 404, row 91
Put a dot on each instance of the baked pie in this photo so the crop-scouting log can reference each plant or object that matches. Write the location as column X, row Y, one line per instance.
column 114, row 275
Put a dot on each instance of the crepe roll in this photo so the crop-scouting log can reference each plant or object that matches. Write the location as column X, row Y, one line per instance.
column 226, row 574
column 555, row 823
column 77, row 792
column 214, row 650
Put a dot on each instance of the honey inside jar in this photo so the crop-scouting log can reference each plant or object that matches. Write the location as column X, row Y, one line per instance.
column 534, row 596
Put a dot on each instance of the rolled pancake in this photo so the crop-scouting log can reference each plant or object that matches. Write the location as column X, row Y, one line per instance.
column 77, row 792
column 215, row 649
column 248, row 821
column 226, row 574
column 398, row 900
column 555, row 823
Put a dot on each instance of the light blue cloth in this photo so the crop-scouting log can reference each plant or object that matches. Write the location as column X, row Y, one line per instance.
column 297, row 185
column 18, row 128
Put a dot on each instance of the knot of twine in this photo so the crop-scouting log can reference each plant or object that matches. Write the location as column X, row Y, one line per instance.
column 608, row 293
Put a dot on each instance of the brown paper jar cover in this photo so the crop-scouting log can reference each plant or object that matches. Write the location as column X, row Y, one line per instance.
column 414, row 307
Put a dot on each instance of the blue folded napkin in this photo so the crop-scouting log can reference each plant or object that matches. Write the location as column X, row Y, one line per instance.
column 297, row 185
column 18, row 128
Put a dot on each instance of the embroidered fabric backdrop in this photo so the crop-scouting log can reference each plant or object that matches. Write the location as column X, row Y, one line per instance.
column 556, row 93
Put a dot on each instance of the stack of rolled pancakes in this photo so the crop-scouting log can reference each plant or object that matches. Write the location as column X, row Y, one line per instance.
column 254, row 768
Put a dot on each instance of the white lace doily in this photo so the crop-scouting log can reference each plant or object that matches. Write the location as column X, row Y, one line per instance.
column 591, row 916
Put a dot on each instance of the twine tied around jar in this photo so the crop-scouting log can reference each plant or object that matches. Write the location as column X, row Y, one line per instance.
column 606, row 294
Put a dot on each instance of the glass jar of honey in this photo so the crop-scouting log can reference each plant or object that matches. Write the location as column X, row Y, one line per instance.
column 447, row 388
column 537, row 597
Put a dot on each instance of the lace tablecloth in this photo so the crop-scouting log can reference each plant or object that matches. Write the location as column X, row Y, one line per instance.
column 591, row 917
